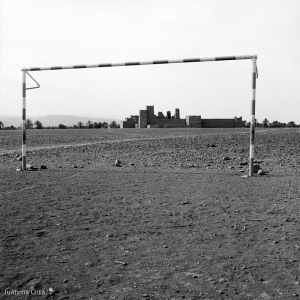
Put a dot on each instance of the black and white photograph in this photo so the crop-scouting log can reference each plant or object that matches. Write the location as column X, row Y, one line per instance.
column 149, row 149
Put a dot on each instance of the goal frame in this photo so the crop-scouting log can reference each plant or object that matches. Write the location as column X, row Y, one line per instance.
column 136, row 63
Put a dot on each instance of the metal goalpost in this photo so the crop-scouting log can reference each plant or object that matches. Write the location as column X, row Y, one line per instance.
column 136, row 63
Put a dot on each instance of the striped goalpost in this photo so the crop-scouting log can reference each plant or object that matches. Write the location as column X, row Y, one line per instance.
column 136, row 63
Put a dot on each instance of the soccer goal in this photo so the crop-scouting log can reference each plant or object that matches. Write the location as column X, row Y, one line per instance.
column 136, row 63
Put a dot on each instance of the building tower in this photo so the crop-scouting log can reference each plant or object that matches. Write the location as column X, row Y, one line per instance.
column 143, row 119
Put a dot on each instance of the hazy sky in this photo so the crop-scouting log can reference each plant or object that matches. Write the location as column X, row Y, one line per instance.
column 40, row 33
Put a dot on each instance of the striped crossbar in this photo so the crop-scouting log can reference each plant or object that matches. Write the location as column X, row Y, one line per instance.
column 140, row 63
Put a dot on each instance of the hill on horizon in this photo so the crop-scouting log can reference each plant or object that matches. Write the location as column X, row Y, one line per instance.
column 55, row 120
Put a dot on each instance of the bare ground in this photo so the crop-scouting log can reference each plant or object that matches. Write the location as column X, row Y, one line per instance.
column 175, row 221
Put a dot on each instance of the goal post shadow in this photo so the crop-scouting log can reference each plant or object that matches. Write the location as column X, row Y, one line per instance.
column 142, row 63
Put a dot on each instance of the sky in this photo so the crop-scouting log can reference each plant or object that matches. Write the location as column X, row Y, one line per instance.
column 40, row 33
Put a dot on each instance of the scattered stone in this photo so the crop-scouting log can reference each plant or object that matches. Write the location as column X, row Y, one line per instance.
column 30, row 167
column 121, row 262
column 210, row 145
column 19, row 158
column 256, row 168
column 226, row 158
column 244, row 163
column 117, row 163
column 18, row 169
column 261, row 172
column 185, row 202
column 74, row 166
column 43, row 167
column 244, row 176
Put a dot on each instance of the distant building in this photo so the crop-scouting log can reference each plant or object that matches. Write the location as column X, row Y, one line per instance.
column 147, row 119
column 113, row 126
column 130, row 122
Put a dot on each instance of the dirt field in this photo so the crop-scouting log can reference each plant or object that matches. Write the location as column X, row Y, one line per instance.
column 174, row 221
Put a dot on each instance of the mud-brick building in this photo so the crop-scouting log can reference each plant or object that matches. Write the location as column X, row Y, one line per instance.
column 147, row 119
column 131, row 122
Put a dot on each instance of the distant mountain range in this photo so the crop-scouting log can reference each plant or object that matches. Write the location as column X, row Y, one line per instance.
column 55, row 120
